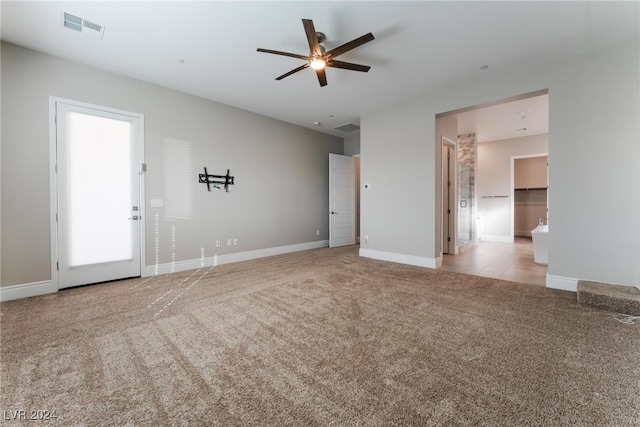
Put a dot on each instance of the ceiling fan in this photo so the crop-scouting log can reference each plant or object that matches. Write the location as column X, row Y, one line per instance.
column 318, row 58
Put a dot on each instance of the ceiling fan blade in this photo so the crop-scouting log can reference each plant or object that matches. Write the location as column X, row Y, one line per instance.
column 322, row 77
column 312, row 37
column 277, row 52
column 300, row 68
column 348, row 66
column 349, row 45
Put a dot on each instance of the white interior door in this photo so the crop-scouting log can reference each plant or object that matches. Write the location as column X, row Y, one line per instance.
column 342, row 200
column 98, row 186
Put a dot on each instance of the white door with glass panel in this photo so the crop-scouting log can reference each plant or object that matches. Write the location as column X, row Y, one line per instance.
column 342, row 200
column 98, row 155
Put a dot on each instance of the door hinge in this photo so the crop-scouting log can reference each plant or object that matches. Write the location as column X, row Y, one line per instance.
column 448, row 239
column 144, row 167
column 57, row 266
column 56, row 216
column 448, row 211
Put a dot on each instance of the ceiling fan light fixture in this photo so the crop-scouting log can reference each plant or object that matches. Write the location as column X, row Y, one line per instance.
column 317, row 63
column 318, row 58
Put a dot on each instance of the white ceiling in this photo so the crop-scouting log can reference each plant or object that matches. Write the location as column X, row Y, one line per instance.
column 420, row 46
column 512, row 119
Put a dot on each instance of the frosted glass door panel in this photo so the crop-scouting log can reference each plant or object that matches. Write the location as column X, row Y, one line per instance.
column 99, row 186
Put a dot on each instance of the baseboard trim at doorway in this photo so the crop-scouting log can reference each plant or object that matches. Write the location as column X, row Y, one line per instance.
column 26, row 290
column 400, row 258
column 562, row 283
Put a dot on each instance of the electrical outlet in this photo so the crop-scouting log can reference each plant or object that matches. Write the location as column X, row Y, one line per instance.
column 217, row 243
column 317, row 232
column 366, row 239
column 228, row 242
column 235, row 241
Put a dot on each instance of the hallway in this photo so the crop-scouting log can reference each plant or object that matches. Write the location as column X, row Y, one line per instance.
column 507, row 261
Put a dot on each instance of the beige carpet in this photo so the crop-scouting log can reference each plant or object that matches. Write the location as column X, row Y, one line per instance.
column 318, row 338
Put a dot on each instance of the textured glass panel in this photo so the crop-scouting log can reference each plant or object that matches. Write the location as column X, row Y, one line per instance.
column 100, row 200
column 466, row 187
column 465, row 203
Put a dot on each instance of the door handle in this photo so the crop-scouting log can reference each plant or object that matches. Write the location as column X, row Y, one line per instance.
column 135, row 217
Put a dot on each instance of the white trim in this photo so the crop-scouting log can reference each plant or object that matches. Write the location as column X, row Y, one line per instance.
column 142, row 206
column 454, row 211
column 154, row 270
column 399, row 258
column 439, row 261
column 496, row 238
column 8, row 293
column 563, row 283
column 53, row 190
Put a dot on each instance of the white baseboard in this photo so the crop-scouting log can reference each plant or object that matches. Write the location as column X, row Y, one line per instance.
column 400, row 258
column 8, row 293
column 154, row 270
column 25, row 290
column 496, row 238
column 563, row 283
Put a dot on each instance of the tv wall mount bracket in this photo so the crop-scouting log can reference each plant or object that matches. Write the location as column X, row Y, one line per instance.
column 217, row 181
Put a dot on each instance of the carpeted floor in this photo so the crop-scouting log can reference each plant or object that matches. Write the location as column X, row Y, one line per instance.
column 317, row 338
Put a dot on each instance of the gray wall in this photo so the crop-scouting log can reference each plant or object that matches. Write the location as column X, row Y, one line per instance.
column 281, row 170
column 352, row 143
column 593, row 163
column 493, row 177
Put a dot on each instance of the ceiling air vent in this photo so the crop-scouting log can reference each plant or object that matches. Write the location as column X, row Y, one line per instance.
column 83, row 26
column 347, row 127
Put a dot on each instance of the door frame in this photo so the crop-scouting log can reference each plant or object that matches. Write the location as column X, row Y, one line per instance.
column 512, row 187
column 453, row 190
column 53, row 181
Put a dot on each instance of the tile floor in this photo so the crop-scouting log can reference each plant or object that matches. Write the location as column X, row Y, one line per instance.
column 507, row 261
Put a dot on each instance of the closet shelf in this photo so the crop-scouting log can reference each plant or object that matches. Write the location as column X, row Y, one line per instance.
column 531, row 188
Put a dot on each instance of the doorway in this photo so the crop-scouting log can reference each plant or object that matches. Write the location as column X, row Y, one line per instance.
column 530, row 201
column 342, row 200
column 518, row 126
column 97, row 193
